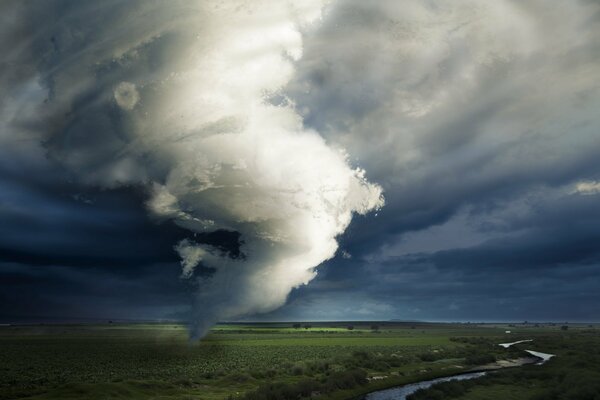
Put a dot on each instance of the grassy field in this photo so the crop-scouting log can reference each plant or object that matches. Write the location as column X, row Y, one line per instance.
column 573, row 374
column 246, row 361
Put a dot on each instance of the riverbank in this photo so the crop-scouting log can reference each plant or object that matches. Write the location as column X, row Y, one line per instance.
column 542, row 357
column 426, row 380
column 391, row 382
column 500, row 364
column 572, row 372
column 401, row 392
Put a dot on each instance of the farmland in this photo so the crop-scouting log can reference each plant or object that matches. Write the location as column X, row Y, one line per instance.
column 156, row 361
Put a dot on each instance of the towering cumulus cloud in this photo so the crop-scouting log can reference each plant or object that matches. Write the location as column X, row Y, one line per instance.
column 184, row 98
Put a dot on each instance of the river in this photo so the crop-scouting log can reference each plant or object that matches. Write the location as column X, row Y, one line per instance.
column 401, row 392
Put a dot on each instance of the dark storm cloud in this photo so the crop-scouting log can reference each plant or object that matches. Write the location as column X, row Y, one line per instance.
column 478, row 120
column 543, row 265
column 79, row 226
column 480, row 123
column 36, row 293
column 69, row 252
column 447, row 105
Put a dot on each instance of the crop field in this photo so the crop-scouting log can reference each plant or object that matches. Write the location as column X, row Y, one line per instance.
column 157, row 361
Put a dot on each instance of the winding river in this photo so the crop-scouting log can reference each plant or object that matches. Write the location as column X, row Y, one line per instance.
column 401, row 392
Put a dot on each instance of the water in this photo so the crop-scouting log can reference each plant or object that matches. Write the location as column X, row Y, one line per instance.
column 400, row 392
column 544, row 356
column 507, row 345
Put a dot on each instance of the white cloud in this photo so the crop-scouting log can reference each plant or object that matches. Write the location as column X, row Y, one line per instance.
column 191, row 81
column 422, row 91
column 191, row 255
column 587, row 187
column 454, row 104
column 346, row 255
column 126, row 95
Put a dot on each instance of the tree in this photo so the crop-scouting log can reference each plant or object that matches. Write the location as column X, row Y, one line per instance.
column 350, row 327
column 297, row 326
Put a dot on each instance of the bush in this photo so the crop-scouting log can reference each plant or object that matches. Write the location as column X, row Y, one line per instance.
column 426, row 394
column 318, row 366
column 452, row 389
column 272, row 391
column 345, row 379
column 239, row 377
column 270, row 373
column 297, row 370
column 361, row 355
column 480, row 359
column 427, row 357
column 305, row 388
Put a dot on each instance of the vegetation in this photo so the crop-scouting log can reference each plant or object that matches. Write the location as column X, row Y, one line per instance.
column 270, row 361
column 308, row 387
column 574, row 374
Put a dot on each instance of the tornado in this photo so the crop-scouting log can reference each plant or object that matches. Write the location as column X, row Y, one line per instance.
column 186, row 100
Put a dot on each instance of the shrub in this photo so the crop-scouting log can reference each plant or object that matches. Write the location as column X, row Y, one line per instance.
column 345, row 379
column 480, row 359
column 306, row 387
column 297, row 370
column 361, row 355
column 239, row 377
column 427, row 357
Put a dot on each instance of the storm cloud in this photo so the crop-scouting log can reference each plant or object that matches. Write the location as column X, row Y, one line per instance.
column 230, row 136
column 480, row 122
column 177, row 103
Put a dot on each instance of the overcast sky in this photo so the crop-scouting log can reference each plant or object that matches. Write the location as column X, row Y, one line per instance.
column 305, row 160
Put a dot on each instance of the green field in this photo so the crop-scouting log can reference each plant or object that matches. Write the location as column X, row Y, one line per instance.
column 247, row 361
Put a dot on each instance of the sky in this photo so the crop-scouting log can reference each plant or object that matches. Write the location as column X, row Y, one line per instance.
column 208, row 161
